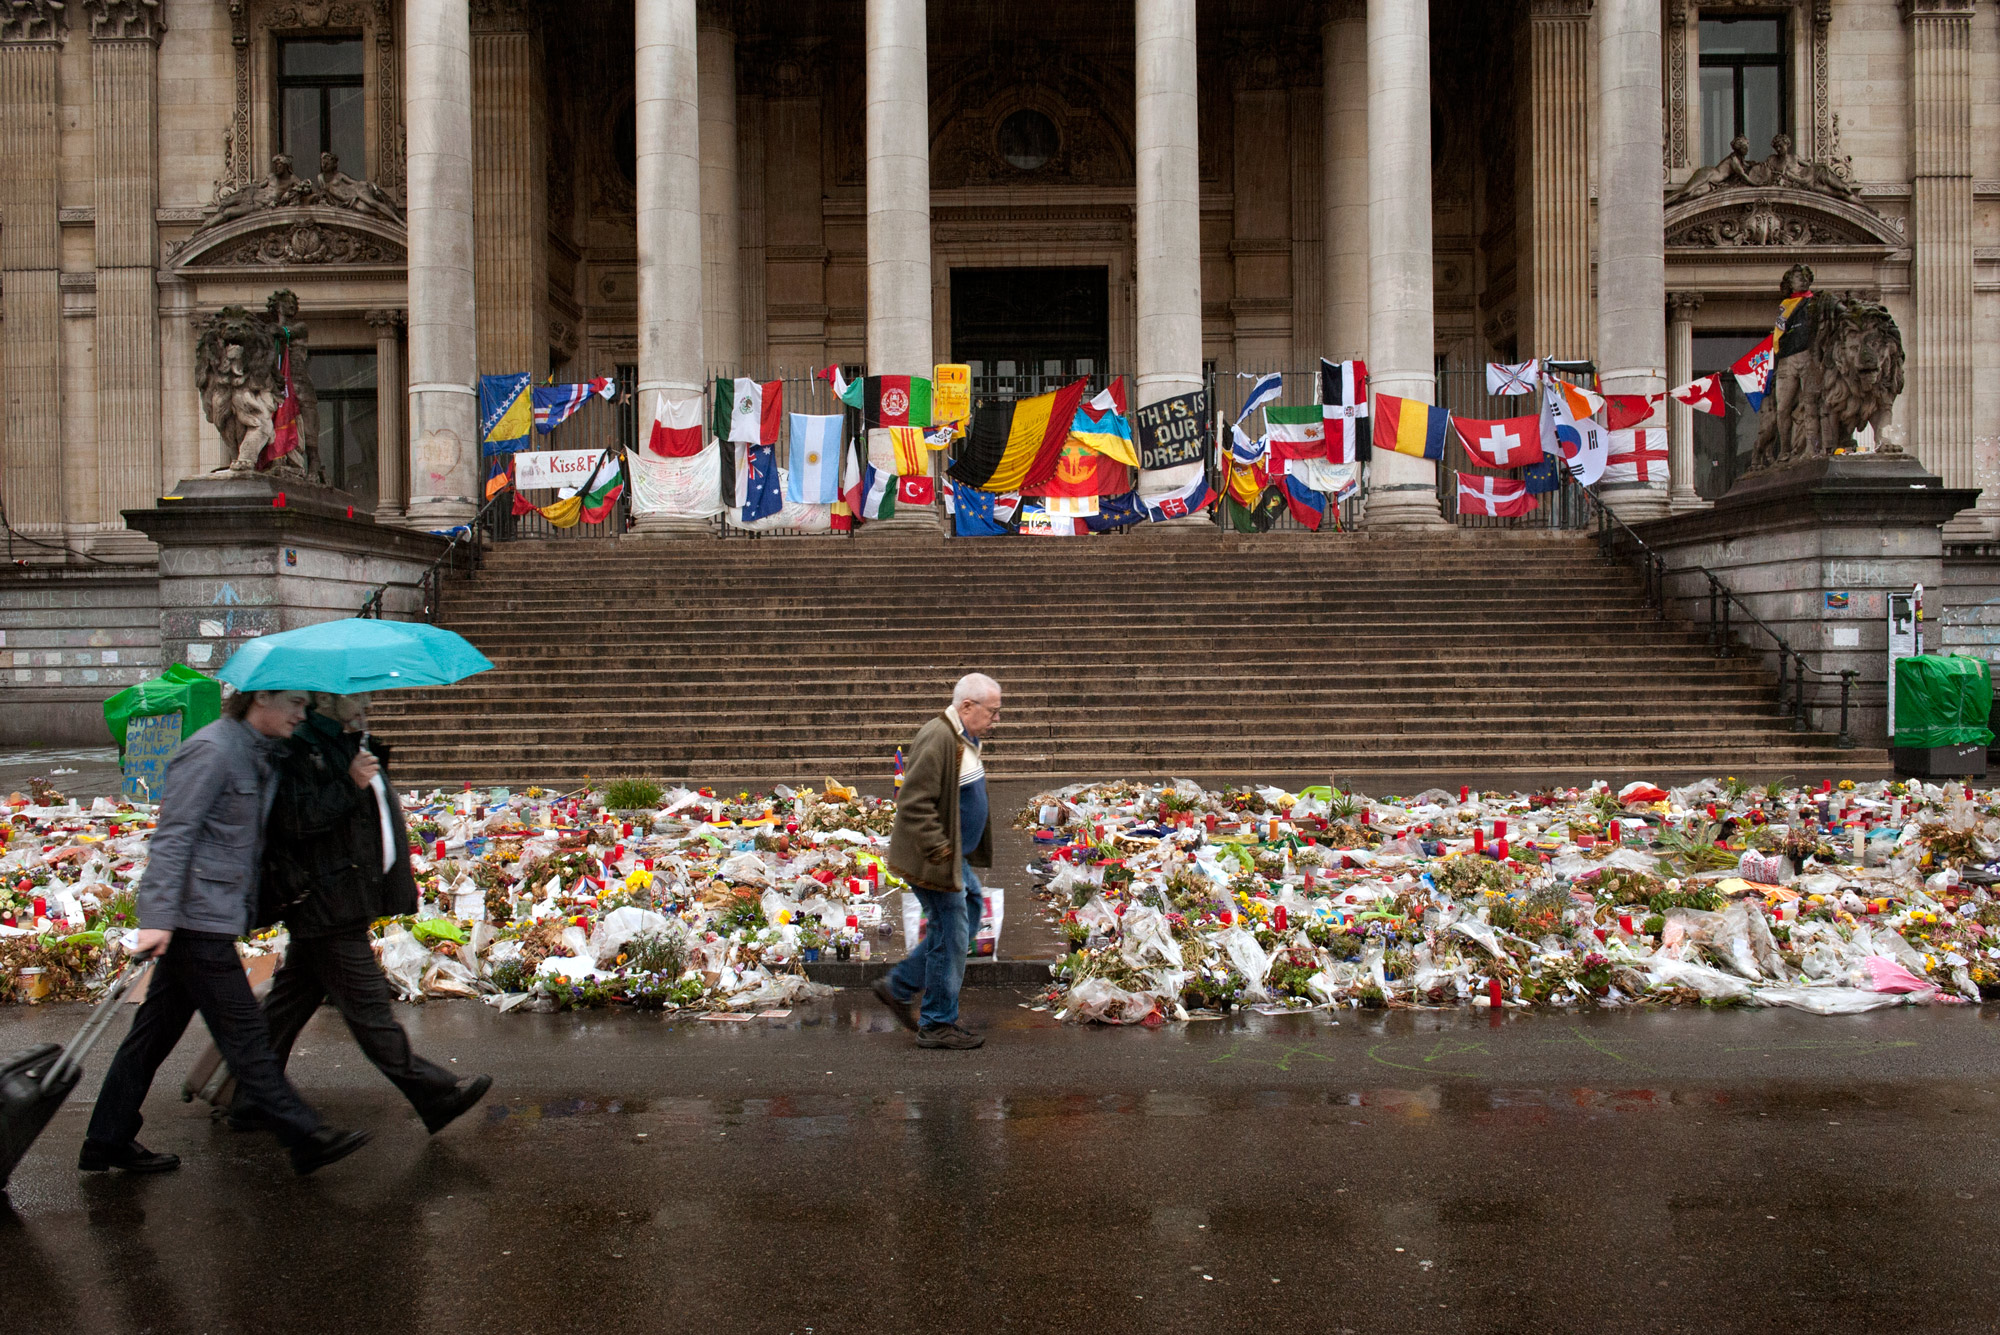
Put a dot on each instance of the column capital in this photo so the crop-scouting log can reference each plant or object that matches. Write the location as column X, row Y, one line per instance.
column 385, row 320
column 1546, row 10
column 1683, row 305
column 717, row 14
column 125, row 20
column 1343, row 11
column 504, row 16
column 1935, row 9
column 34, row 22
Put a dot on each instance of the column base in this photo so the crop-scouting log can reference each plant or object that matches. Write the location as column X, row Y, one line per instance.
column 913, row 523
column 1635, row 504
column 1686, row 502
column 670, row 527
column 1403, row 506
column 437, row 515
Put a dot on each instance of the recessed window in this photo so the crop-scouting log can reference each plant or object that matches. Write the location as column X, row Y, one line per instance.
column 1742, row 84
column 1028, row 139
column 320, row 103
column 345, row 384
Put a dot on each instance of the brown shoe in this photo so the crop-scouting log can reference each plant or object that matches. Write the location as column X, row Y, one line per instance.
column 906, row 1012
column 948, row 1036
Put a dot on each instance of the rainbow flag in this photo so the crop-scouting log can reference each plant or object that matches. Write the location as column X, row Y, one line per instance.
column 1409, row 427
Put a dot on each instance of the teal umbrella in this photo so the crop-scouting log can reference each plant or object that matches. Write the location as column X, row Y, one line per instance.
column 353, row 656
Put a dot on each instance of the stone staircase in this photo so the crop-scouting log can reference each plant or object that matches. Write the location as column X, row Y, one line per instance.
column 1186, row 653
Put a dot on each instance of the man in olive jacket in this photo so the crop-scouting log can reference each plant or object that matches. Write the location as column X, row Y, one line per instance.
column 941, row 833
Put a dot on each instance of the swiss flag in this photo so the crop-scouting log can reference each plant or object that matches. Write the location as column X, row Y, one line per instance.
column 1637, row 456
column 1703, row 395
column 915, row 489
column 1511, row 442
column 1629, row 410
column 1498, row 496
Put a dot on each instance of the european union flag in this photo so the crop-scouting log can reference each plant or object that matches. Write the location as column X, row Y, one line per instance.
column 1542, row 478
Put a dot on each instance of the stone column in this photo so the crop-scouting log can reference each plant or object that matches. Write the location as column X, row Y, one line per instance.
column 510, row 215
column 1553, row 181
column 31, row 471
column 670, row 299
column 187, row 440
column 1681, row 496
column 721, row 218
column 1941, row 226
column 125, row 125
column 1402, row 337
column 444, row 407
column 1631, row 225
column 389, row 473
column 1167, row 219
column 1344, row 42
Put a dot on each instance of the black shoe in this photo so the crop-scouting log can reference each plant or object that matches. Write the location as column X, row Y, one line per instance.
column 448, row 1109
column 98, row 1157
column 242, row 1117
column 325, row 1146
column 906, row 1012
column 948, row 1036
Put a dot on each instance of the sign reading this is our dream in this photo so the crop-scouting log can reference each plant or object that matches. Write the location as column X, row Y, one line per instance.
column 555, row 468
column 1173, row 431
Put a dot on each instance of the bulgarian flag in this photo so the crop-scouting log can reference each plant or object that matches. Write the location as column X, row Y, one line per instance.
column 890, row 400
column 590, row 506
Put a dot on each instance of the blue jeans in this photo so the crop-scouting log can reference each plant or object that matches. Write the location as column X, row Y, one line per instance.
column 935, row 966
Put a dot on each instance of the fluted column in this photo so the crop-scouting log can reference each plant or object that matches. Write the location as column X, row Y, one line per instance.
column 387, row 325
column 31, row 40
column 510, row 191
column 1167, row 220
column 721, row 225
column 444, row 412
column 1681, row 494
column 1940, row 355
column 1631, row 225
column 1402, row 335
column 125, row 133
column 1553, row 181
column 1344, row 42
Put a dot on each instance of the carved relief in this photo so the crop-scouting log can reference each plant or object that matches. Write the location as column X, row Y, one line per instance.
column 309, row 242
column 1776, row 216
column 1784, row 168
column 33, row 21
column 125, row 20
column 282, row 191
column 993, row 131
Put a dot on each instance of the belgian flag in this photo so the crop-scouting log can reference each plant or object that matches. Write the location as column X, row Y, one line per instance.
column 1017, row 445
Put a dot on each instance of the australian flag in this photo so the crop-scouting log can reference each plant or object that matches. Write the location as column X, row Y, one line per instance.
column 762, row 494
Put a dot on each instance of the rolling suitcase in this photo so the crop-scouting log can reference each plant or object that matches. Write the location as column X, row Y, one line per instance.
column 33, row 1084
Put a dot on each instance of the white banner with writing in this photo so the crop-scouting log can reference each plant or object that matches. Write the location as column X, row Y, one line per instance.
column 536, row 469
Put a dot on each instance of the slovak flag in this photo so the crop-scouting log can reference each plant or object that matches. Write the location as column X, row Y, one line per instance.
column 1179, row 503
column 1639, row 455
column 1511, row 442
column 1703, row 395
column 676, row 427
column 1753, row 373
column 1502, row 497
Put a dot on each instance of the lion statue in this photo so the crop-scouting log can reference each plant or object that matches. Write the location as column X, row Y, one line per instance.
column 1850, row 376
column 239, row 373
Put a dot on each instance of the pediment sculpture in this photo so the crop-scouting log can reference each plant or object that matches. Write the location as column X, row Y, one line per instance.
column 286, row 219
column 1783, row 200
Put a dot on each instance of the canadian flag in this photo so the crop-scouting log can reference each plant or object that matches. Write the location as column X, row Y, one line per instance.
column 1498, row 496
column 676, row 427
column 1639, row 455
column 1703, row 395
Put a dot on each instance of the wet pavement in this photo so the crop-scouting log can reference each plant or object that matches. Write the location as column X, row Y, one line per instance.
column 1402, row 1172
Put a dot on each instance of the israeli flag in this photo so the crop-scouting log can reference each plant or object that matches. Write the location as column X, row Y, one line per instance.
column 814, row 477
column 1264, row 391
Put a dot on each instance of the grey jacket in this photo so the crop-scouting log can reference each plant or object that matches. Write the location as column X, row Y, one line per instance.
column 206, row 855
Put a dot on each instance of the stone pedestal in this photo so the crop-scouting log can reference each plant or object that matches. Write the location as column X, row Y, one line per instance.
column 234, row 565
column 1814, row 550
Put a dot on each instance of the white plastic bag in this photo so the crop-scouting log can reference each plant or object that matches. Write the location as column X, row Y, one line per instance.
column 1147, row 939
column 403, row 960
column 1107, row 1003
column 621, row 925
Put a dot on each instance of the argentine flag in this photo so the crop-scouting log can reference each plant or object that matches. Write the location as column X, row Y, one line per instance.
column 814, row 477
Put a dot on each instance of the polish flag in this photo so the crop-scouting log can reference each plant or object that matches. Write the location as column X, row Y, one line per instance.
column 676, row 427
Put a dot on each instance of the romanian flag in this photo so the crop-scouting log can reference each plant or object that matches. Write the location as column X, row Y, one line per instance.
column 1409, row 427
column 890, row 400
column 1016, row 445
column 1108, row 433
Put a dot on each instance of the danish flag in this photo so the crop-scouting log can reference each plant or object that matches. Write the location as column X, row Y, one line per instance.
column 1498, row 496
column 1703, row 395
column 1639, row 455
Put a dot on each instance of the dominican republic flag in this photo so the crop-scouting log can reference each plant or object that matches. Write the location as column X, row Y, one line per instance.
column 1753, row 372
column 555, row 404
column 1703, row 395
column 1623, row 411
column 1343, row 402
column 1498, row 496
column 755, row 410
column 1565, row 435
column 1409, row 427
column 1294, row 433
column 916, row 489
column 1266, row 390
column 757, row 482
column 1110, row 399
column 1639, row 455
column 814, row 477
column 1307, row 506
column 1502, row 378
column 1511, row 442
column 676, row 427
column 1179, row 503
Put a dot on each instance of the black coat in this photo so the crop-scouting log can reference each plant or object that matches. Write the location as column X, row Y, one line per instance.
column 323, row 865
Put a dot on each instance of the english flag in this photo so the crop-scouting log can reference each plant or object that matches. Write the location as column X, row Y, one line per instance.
column 1502, row 497
column 1703, row 395
column 1511, row 442
column 676, row 427
column 1639, row 455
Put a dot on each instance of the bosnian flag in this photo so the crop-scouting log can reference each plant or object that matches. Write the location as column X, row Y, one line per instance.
column 1703, row 395
column 1579, row 440
column 1343, row 402
column 1753, row 373
column 1511, row 442
column 814, row 477
column 676, row 427
column 756, row 411
column 1110, row 399
column 1502, row 497
column 1264, row 391
column 1639, row 455
column 1179, row 503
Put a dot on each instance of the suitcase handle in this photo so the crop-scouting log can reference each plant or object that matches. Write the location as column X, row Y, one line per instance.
column 93, row 1028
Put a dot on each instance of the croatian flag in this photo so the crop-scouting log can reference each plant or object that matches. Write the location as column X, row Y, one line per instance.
column 1753, row 373
column 814, row 477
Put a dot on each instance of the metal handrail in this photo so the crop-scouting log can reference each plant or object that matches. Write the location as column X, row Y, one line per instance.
column 1792, row 665
column 430, row 581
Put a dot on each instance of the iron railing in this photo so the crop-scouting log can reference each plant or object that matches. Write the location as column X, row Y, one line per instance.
column 464, row 543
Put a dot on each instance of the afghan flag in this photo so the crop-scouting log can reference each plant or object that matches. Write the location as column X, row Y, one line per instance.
column 1296, row 433
column 1013, row 446
column 890, row 400
column 1409, row 427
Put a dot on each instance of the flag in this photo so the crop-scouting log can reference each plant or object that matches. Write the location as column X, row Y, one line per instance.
column 1638, row 455
column 1629, row 410
column 500, row 474
column 1409, row 427
column 1582, row 402
column 1505, row 378
column 1343, row 402
column 1266, row 390
column 759, row 494
column 598, row 499
column 916, row 489
column 1579, row 440
column 1498, row 496
column 1335, row 480
column 1180, row 502
column 1307, row 506
column 1111, row 399
column 1511, row 442
column 1544, row 477
column 555, row 404
column 814, row 477
column 890, row 400
column 1245, row 484
column 832, row 376
column 1108, row 433
column 1016, row 445
column 983, row 514
column 506, row 412
column 1081, row 471
column 874, row 496
column 1295, row 433
column 284, row 422
column 755, row 411
column 1116, row 512
column 1753, row 373
column 912, row 454
column 1703, row 395
column 850, row 492
column 1038, row 521
column 676, row 427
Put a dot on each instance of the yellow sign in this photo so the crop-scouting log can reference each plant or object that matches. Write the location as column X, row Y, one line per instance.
column 951, row 393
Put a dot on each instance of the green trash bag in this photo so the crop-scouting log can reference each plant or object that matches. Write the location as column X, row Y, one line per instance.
column 179, row 690
column 1943, row 700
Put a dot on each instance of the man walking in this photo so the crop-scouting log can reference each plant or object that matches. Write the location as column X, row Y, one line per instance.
column 941, row 833
column 340, row 859
column 198, row 896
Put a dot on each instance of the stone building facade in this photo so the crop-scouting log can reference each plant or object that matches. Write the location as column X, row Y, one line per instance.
column 689, row 188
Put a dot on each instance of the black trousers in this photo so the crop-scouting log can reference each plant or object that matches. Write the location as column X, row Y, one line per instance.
column 199, row 972
column 342, row 966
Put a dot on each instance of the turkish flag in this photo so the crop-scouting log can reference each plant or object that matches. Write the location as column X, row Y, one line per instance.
column 1511, row 442
column 916, row 490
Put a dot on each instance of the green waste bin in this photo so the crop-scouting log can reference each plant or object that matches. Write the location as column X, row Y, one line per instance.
column 1943, row 703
